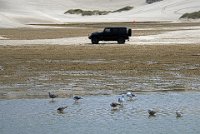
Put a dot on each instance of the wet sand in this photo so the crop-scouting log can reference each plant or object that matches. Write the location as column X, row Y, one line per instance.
column 53, row 31
column 31, row 71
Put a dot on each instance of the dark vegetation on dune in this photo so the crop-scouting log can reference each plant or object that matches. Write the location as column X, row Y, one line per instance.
column 96, row 12
column 152, row 1
column 193, row 15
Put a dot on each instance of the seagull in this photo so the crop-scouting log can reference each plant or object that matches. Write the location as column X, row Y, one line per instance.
column 76, row 98
column 151, row 112
column 61, row 109
column 115, row 105
column 178, row 114
column 52, row 96
column 121, row 99
column 130, row 95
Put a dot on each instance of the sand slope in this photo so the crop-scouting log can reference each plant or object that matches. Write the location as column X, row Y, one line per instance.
column 16, row 13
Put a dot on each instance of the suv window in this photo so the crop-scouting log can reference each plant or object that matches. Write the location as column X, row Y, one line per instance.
column 115, row 30
column 107, row 30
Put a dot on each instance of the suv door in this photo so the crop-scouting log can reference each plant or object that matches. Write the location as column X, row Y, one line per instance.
column 115, row 33
column 107, row 34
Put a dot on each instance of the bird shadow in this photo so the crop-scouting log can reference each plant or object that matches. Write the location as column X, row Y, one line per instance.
column 52, row 101
column 132, row 99
column 60, row 112
column 76, row 103
column 114, row 110
column 178, row 117
column 151, row 116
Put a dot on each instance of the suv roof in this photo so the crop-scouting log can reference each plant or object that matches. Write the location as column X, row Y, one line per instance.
column 116, row 27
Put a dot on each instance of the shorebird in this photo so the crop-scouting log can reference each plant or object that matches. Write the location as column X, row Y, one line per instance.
column 115, row 105
column 61, row 109
column 121, row 99
column 76, row 98
column 130, row 95
column 52, row 96
column 151, row 112
column 178, row 114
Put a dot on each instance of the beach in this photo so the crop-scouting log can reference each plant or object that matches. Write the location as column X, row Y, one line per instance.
column 150, row 84
column 64, row 61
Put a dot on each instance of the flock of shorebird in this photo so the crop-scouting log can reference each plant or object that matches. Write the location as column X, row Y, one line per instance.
column 131, row 96
column 115, row 105
column 61, row 109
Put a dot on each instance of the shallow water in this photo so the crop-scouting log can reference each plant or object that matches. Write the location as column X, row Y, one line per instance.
column 93, row 115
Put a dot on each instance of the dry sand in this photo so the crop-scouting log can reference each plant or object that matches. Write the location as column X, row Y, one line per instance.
column 52, row 11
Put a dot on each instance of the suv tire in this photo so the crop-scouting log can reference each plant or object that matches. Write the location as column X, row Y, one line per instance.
column 121, row 41
column 129, row 32
column 95, row 40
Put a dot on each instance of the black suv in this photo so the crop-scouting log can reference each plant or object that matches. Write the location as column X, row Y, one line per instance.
column 119, row 34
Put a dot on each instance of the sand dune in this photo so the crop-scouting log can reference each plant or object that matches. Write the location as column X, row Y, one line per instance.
column 16, row 13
